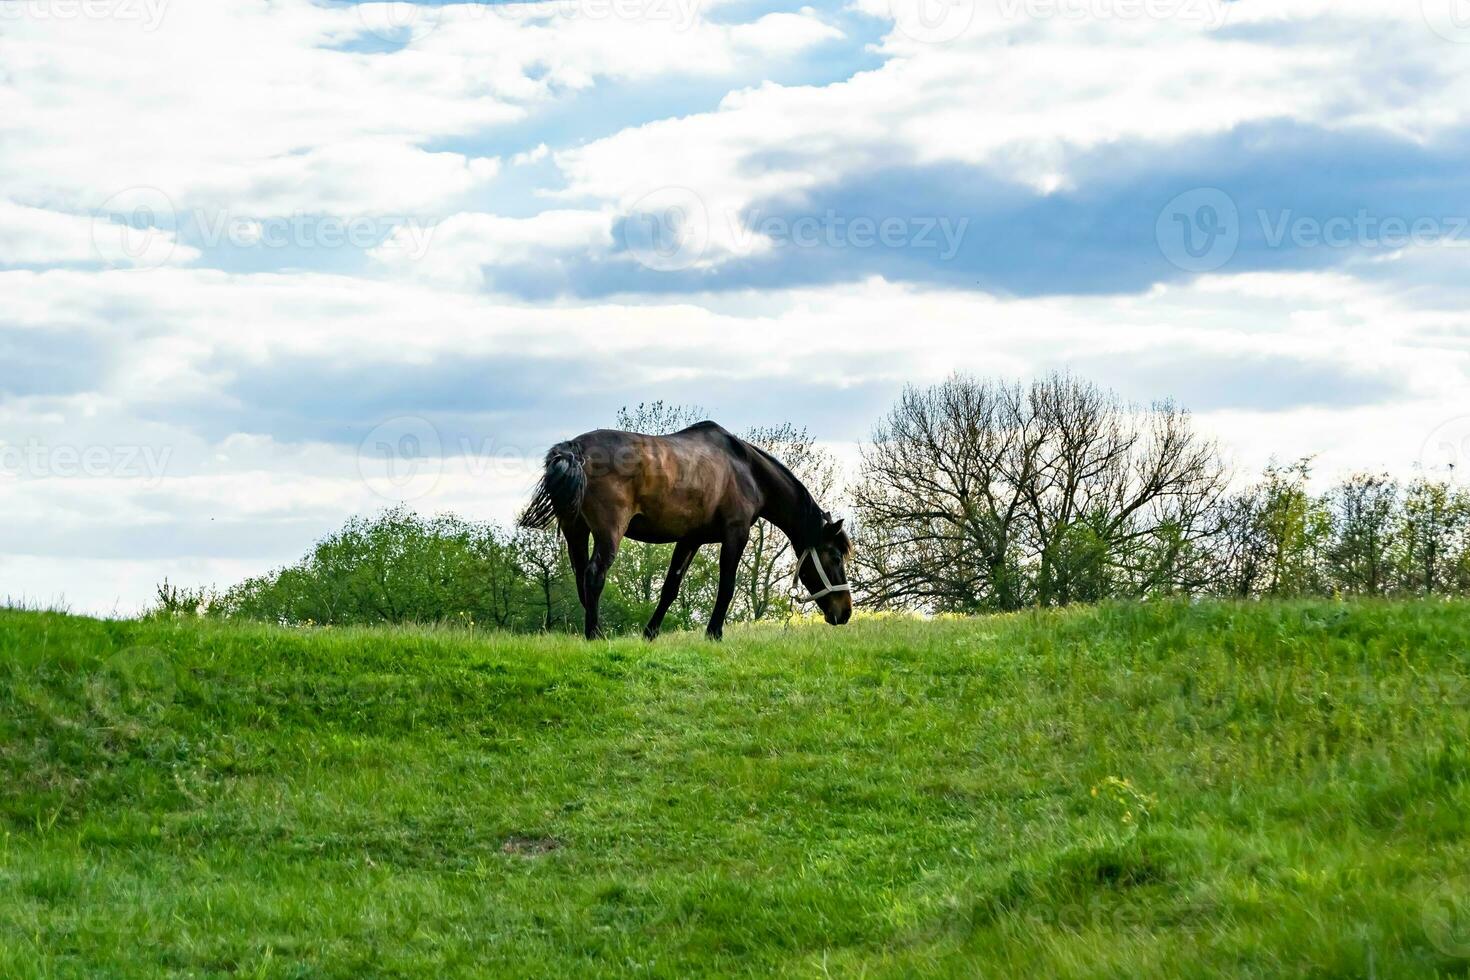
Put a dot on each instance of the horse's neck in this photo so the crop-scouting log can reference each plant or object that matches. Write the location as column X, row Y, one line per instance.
column 788, row 503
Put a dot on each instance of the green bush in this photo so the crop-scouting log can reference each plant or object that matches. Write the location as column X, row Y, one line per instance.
column 401, row 567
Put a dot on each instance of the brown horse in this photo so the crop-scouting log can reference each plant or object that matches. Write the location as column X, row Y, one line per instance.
column 699, row 486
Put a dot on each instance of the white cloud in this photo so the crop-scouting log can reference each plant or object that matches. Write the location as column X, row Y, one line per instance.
column 1025, row 95
column 255, row 109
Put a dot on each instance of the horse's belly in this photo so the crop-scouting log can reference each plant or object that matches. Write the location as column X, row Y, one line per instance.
column 678, row 495
column 676, row 512
column 642, row 529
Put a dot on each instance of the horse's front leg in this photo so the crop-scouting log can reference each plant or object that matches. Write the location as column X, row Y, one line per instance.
column 683, row 554
column 730, row 552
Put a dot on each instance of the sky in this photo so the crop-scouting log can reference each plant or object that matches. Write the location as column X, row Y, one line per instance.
column 266, row 264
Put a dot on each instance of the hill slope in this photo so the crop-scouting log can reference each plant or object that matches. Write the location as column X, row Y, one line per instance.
column 1183, row 790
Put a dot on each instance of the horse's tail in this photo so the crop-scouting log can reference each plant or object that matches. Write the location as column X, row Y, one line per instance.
column 559, row 494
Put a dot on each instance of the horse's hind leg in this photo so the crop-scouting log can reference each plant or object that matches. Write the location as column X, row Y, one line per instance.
column 683, row 554
column 604, row 550
column 576, row 534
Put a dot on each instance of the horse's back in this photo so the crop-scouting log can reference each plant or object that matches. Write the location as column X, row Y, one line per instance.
column 701, row 436
column 668, row 485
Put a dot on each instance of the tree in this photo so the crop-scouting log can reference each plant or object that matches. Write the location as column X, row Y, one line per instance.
column 974, row 495
column 982, row 495
column 541, row 557
column 394, row 567
column 940, row 500
column 1275, row 536
column 1362, row 510
column 1430, row 552
column 1111, row 483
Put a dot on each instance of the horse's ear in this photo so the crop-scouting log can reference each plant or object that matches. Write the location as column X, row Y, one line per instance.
column 838, row 537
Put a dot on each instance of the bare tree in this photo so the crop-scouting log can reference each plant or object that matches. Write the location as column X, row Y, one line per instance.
column 542, row 559
column 987, row 495
column 1112, row 484
column 941, row 498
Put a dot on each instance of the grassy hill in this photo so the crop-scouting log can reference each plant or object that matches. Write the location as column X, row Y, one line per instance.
column 1156, row 790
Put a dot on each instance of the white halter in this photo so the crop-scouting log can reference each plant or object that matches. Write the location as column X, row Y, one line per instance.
column 828, row 587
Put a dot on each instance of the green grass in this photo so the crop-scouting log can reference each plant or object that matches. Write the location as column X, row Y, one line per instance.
column 1132, row 790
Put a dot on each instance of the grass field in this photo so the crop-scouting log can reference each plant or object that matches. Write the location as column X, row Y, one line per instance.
column 1132, row 790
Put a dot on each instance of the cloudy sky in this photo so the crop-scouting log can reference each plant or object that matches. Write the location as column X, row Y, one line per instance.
column 268, row 263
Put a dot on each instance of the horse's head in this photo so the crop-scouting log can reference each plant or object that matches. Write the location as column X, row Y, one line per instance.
column 821, row 569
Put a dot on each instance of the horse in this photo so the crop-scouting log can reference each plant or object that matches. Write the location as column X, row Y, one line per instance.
column 697, row 486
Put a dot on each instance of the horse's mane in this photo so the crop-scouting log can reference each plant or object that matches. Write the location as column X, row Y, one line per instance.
column 813, row 518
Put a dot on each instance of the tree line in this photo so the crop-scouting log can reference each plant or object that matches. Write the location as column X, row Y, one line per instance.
column 979, row 495
column 973, row 495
